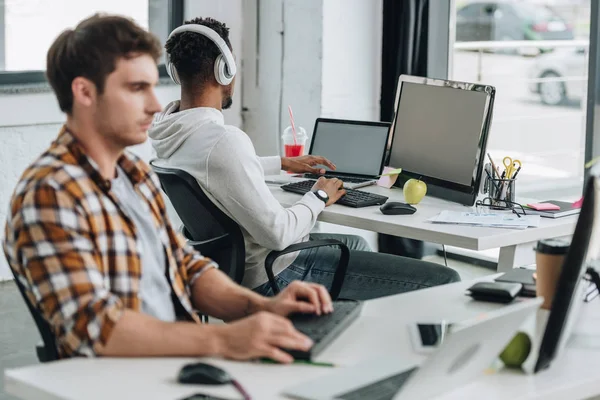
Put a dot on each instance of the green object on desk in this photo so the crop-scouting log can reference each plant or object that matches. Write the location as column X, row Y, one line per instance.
column 313, row 363
column 517, row 351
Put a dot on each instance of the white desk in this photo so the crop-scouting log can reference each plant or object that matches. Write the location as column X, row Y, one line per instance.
column 515, row 245
column 573, row 376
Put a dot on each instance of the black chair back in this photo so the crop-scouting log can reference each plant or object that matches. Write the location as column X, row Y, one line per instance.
column 47, row 351
column 208, row 229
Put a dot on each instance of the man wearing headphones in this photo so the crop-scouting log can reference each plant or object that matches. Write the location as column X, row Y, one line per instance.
column 191, row 135
column 88, row 236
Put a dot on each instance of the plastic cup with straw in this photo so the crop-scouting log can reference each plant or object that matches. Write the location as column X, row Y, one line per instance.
column 293, row 144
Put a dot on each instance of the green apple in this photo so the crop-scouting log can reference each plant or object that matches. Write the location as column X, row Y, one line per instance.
column 515, row 354
column 414, row 191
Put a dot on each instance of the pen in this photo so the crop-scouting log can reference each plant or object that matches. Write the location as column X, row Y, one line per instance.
column 307, row 362
column 492, row 181
column 516, row 172
column 495, row 169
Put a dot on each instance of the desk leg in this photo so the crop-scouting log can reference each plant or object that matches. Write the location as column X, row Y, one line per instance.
column 516, row 256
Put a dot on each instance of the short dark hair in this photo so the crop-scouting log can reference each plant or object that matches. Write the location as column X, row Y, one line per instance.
column 92, row 49
column 193, row 54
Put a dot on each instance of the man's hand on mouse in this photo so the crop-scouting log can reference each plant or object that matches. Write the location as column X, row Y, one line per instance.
column 333, row 187
column 263, row 334
column 306, row 164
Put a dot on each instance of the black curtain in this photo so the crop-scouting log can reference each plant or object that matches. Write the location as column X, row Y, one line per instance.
column 404, row 51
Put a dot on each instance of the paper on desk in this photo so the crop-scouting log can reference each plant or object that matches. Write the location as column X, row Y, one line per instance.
column 511, row 221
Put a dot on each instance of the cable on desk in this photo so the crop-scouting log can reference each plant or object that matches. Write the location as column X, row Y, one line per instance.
column 236, row 384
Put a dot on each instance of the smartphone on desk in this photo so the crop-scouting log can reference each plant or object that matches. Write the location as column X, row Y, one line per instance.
column 427, row 336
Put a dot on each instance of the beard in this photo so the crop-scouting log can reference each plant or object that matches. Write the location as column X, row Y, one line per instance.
column 227, row 102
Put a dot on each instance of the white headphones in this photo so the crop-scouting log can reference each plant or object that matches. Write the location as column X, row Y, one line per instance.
column 224, row 64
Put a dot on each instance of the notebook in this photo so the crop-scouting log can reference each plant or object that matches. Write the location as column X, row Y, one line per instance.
column 566, row 208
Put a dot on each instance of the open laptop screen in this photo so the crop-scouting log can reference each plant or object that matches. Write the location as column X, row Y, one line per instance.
column 355, row 147
column 570, row 287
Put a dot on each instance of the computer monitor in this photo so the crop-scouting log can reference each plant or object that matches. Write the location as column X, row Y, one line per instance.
column 355, row 147
column 571, row 286
column 439, row 135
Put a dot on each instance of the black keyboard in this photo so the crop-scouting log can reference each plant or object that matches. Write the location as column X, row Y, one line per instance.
column 384, row 389
column 343, row 178
column 323, row 329
column 352, row 198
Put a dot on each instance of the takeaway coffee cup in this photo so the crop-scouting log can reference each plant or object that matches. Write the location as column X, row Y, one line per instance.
column 549, row 257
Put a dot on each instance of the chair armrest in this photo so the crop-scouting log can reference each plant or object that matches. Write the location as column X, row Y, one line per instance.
column 340, row 271
column 211, row 245
column 43, row 354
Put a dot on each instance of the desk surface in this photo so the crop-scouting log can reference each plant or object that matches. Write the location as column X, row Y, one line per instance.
column 416, row 226
column 573, row 376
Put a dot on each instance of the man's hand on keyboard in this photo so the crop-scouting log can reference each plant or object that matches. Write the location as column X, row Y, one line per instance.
column 333, row 187
column 306, row 164
column 301, row 297
column 260, row 335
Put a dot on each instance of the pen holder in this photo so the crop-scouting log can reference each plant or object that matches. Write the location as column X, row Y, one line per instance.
column 501, row 191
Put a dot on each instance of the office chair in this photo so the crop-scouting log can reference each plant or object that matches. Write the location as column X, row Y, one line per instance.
column 214, row 234
column 47, row 350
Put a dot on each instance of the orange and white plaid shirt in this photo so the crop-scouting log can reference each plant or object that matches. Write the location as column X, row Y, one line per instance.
column 77, row 253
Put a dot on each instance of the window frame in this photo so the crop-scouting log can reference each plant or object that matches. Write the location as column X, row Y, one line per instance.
column 175, row 19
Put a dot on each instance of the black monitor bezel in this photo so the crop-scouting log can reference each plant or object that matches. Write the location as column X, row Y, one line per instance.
column 464, row 194
column 570, row 278
column 353, row 122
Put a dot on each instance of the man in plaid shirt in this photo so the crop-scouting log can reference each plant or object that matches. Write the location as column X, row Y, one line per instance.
column 88, row 234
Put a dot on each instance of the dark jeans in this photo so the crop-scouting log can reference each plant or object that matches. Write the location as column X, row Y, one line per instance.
column 370, row 275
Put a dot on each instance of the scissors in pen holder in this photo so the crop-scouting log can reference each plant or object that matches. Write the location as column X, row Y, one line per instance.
column 511, row 167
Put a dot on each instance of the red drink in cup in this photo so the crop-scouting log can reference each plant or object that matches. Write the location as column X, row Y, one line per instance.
column 293, row 150
column 293, row 144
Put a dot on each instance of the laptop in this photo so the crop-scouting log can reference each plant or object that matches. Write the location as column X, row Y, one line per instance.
column 357, row 149
column 467, row 351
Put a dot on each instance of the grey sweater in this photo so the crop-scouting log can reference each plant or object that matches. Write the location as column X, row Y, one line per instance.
column 223, row 160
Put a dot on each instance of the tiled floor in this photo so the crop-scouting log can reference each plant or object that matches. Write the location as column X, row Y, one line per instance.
column 18, row 334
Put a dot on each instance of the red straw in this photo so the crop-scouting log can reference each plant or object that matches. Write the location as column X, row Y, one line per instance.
column 293, row 125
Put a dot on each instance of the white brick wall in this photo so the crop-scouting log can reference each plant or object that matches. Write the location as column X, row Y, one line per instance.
column 19, row 146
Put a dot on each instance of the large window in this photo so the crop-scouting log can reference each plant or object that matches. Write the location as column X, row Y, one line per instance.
column 535, row 52
column 30, row 26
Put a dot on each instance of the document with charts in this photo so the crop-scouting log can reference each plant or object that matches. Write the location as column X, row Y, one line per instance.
column 494, row 220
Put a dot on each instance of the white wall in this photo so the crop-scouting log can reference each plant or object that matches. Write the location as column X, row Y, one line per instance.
column 321, row 57
column 302, row 67
column 28, row 124
column 351, row 59
column 229, row 12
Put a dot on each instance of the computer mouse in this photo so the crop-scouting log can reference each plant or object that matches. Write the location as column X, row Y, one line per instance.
column 204, row 374
column 397, row 208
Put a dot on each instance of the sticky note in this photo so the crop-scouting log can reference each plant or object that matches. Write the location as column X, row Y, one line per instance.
column 387, row 181
column 543, row 206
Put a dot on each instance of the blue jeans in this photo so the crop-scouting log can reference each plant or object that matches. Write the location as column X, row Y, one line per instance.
column 369, row 275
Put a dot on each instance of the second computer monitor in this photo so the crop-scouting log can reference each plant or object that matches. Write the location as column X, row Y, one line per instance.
column 439, row 134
